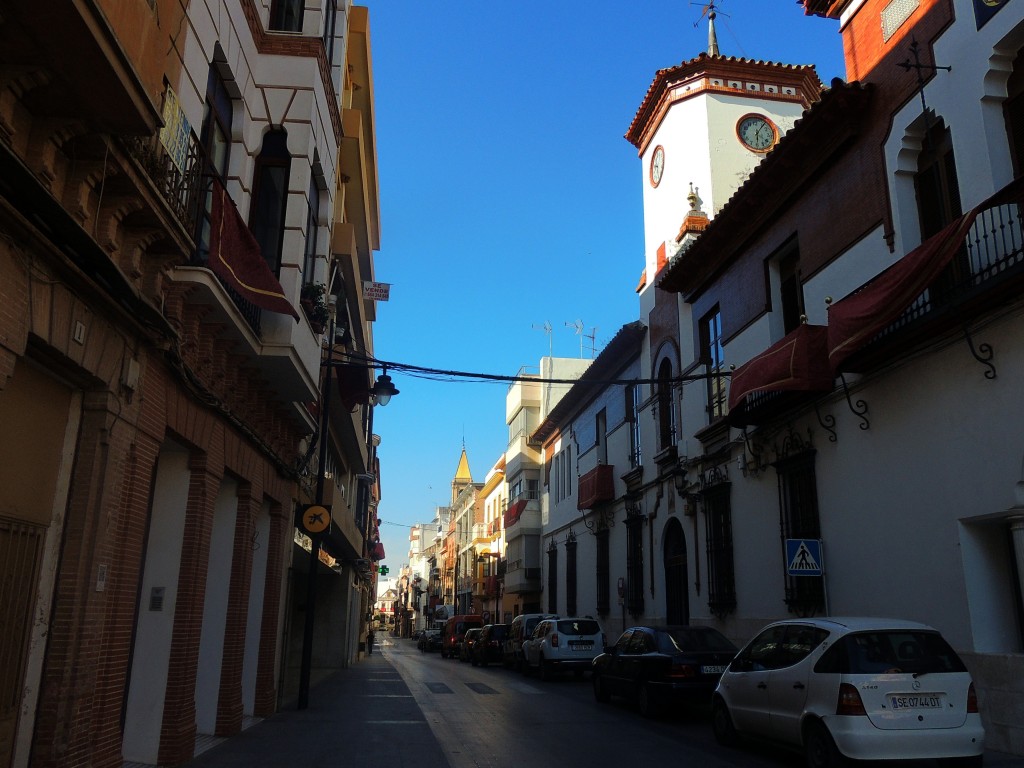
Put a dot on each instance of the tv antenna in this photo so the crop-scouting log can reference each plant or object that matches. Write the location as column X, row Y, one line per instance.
column 578, row 330
column 547, row 329
column 593, row 340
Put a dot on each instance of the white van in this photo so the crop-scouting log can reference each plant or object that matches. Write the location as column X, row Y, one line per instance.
column 518, row 633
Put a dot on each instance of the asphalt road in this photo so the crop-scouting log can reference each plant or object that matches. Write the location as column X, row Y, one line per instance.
column 497, row 718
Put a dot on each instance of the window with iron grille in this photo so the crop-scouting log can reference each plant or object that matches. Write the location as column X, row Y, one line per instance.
column 330, row 20
column 570, row 575
column 634, row 559
column 938, row 203
column 603, row 572
column 215, row 138
column 666, row 406
column 312, row 232
column 1013, row 109
column 552, row 585
column 633, row 415
column 938, row 192
column 721, row 575
column 270, row 197
column 798, row 519
column 601, row 436
column 712, row 355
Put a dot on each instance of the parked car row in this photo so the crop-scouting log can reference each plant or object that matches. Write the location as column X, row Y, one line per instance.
column 836, row 688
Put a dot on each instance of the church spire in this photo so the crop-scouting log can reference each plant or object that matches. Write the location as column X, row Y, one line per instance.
column 463, row 477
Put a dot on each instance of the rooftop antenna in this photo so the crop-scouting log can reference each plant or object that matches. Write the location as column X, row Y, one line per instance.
column 593, row 340
column 578, row 330
column 547, row 329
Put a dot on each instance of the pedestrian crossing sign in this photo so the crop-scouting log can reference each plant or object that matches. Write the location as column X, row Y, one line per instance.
column 803, row 557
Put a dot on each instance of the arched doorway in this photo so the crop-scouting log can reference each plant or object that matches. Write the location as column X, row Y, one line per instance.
column 677, row 596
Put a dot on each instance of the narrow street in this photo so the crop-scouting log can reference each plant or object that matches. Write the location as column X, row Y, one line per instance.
column 496, row 718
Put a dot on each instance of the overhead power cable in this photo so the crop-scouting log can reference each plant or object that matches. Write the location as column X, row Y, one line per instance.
column 440, row 374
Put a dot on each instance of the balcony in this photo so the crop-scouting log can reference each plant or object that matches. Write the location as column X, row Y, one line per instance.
column 286, row 353
column 972, row 266
column 788, row 373
column 519, row 579
column 596, row 487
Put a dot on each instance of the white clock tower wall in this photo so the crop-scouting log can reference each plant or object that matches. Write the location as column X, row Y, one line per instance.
column 702, row 148
column 684, row 135
column 731, row 162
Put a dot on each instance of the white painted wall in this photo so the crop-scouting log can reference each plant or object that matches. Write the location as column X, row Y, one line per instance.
column 215, row 607
column 144, row 710
column 702, row 149
column 270, row 91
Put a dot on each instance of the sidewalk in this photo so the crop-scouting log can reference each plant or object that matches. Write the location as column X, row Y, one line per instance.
column 360, row 716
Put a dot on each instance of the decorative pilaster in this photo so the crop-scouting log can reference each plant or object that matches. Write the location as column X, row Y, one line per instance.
column 277, row 547
column 178, row 735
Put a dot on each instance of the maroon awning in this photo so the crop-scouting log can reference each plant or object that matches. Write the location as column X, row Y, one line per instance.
column 796, row 363
column 235, row 257
column 514, row 511
column 596, row 486
column 377, row 551
column 856, row 319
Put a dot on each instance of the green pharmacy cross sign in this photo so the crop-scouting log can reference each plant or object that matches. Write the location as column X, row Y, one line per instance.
column 383, row 570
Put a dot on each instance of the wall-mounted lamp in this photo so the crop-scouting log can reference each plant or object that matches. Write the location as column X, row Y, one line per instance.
column 679, row 479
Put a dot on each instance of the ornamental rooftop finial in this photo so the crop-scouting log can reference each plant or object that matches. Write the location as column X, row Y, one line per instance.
column 712, row 37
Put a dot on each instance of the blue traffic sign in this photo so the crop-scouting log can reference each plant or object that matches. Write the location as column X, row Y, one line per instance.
column 803, row 557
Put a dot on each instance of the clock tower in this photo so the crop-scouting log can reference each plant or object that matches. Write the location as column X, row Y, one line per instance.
column 701, row 129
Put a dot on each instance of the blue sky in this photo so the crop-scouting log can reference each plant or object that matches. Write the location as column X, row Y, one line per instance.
column 510, row 199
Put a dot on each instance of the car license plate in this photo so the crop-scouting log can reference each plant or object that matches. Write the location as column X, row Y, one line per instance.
column 715, row 670
column 915, row 701
column 581, row 645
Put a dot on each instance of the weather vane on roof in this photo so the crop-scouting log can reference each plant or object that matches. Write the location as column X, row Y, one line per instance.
column 711, row 11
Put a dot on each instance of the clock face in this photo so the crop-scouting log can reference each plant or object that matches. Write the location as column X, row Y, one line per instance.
column 757, row 133
column 657, row 165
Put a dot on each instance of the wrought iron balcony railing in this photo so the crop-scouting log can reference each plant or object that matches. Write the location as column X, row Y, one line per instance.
column 987, row 266
column 187, row 191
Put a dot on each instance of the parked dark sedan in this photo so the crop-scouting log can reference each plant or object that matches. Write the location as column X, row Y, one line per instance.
column 490, row 645
column 467, row 643
column 660, row 666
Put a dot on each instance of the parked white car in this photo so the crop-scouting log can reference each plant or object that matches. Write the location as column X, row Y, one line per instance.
column 559, row 645
column 860, row 688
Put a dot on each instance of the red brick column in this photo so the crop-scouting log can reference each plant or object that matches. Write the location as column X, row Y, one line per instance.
column 279, row 542
column 178, row 734
column 73, row 726
column 229, row 700
column 125, row 572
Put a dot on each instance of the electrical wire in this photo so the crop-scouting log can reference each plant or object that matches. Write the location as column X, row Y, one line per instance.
column 440, row 374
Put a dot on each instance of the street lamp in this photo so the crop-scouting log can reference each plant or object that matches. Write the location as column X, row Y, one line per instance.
column 383, row 390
